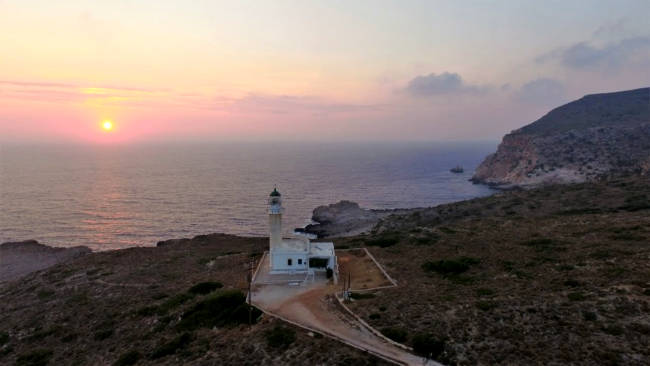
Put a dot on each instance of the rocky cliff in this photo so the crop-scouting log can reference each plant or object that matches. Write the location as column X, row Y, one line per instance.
column 595, row 136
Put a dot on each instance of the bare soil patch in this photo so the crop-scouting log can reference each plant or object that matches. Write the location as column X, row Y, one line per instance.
column 362, row 270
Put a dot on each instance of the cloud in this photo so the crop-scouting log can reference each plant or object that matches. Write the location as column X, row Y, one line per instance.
column 542, row 91
column 614, row 56
column 439, row 84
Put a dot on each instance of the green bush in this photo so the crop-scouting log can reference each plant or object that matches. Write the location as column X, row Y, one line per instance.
column 484, row 292
column 447, row 267
column 129, row 358
column 399, row 335
column 218, row 309
column 361, row 295
column 589, row 316
column 576, row 296
column 172, row 346
column 426, row 345
column 37, row 357
column 280, row 337
column 4, row 338
column 383, row 241
column 486, row 305
column 374, row 316
column 204, row 288
column 174, row 302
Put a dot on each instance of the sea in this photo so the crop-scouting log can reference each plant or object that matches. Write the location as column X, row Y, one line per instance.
column 117, row 196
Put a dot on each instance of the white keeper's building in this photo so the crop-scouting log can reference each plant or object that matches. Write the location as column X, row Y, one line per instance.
column 296, row 255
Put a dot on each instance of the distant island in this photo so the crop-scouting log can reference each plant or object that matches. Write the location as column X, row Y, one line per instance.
column 590, row 138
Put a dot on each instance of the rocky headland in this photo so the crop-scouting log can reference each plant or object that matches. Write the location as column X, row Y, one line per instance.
column 345, row 218
column 596, row 136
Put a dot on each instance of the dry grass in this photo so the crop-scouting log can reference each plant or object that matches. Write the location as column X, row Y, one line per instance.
column 363, row 271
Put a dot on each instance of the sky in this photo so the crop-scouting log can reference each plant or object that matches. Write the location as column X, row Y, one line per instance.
column 307, row 70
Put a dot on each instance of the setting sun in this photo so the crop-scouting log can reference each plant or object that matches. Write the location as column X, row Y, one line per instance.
column 107, row 125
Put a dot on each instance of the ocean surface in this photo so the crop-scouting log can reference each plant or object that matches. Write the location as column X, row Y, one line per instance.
column 111, row 197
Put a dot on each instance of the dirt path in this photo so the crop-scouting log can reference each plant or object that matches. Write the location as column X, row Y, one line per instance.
column 313, row 306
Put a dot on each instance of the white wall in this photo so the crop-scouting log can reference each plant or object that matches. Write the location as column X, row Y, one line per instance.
column 279, row 261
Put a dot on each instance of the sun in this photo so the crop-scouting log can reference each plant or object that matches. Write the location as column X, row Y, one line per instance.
column 107, row 125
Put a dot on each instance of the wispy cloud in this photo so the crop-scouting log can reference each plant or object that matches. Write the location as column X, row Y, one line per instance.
column 440, row 84
column 613, row 56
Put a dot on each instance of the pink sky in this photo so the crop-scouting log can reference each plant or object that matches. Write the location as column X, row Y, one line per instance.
column 281, row 70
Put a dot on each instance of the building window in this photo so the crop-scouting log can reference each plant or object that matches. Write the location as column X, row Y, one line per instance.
column 300, row 261
column 289, row 262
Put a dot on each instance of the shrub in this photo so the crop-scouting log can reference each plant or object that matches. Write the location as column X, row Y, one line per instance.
column 589, row 316
column 172, row 346
column 426, row 345
column 450, row 266
column 127, row 359
column 571, row 283
column 486, row 305
column 280, row 337
column 383, row 241
column 174, row 302
column 218, row 309
column 576, row 296
column 329, row 272
column 399, row 335
column 484, row 292
column 37, row 357
column 374, row 316
column 44, row 294
column 361, row 295
column 102, row 334
column 4, row 338
column 204, row 288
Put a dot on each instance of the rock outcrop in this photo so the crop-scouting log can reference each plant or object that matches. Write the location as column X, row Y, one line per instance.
column 346, row 218
column 595, row 136
column 340, row 218
column 20, row 258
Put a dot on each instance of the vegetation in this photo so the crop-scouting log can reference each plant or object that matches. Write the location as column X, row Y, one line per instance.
column 450, row 266
column 37, row 357
column 361, row 295
column 399, row 335
column 383, row 241
column 222, row 308
column 169, row 348
column 426, row 345
column 204, row 288
column 129, row 358
column 280, row 337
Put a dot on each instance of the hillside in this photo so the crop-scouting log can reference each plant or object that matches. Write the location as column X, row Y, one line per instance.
column 143, row 306
column 595, row 136
column 554, row 275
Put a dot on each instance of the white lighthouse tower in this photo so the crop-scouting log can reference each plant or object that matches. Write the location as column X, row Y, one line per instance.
column 275, row 220
column 296, row 255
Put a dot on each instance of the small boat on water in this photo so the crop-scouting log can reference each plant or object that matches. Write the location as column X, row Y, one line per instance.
column 457, row 169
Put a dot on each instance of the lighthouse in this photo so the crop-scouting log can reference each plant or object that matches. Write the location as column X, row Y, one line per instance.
column 296, row 255
column 275, row 220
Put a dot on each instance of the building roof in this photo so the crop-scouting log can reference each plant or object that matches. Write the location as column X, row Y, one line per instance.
column 322, row 249
column 275, row 193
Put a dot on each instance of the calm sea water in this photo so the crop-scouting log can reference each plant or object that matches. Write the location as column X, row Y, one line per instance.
column 110, row 197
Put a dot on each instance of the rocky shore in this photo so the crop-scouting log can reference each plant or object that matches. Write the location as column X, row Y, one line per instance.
column 346, row 218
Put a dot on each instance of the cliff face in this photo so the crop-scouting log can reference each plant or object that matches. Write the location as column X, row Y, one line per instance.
column 595, row 136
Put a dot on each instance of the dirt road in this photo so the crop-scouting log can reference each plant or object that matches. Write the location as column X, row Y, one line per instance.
column 314, row 306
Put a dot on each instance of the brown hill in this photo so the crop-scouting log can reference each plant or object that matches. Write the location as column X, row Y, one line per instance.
column 595, row 136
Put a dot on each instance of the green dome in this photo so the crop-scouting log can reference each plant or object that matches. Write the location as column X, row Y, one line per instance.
column 275, row 193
